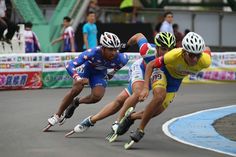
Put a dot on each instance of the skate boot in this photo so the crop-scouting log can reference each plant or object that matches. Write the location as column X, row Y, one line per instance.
column 82, row 127
column 62, row 119
column 113, row 130
column 71, row 108
column 125, row 122
column 135, row 137
column 124, row 125
column 52, row 121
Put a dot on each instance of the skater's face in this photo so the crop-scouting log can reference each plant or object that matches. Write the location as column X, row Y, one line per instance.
column 161, row 51
column 191, row 59
column 109, row 53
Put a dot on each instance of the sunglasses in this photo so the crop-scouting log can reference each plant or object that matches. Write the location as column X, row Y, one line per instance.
column 192, row 55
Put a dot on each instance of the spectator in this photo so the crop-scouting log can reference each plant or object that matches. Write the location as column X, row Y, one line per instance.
column 131, row 8
column 93, row 7
column 90, row 32
column 167, row 24
column 3, row 23
column 9, row 9
column 137, row 6
column 6, row 24
column 68, row 36
column 54, row 2
column 158, row 25
column 3, row 8
column 178, row 35
column 186, row 31
column 31, row 40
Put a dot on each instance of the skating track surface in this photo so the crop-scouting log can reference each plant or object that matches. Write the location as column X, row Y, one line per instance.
column 24, row 113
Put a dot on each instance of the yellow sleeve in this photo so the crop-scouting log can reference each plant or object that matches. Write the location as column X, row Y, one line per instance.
column 205, row 60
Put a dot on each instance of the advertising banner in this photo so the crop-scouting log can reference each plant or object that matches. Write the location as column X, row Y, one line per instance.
column 222, row 69
column 55, row 75
column 20, row 80
column 54, row 72
column 20, row 62
column 20, row 71
column 55, row 79
column 24, row 71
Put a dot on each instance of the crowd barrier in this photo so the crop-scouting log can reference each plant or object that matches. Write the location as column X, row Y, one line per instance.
column 42, row 70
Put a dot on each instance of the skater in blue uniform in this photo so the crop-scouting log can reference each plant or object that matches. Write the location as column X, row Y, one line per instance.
column 93, row 65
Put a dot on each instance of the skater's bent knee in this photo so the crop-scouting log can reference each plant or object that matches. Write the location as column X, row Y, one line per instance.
column 157, row 101
column 96, row 98
column 137, row 91
column 119, row 102
column 159, row 97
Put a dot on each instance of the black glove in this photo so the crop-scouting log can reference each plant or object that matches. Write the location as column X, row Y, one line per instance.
column 110, row 75
column 123, row 47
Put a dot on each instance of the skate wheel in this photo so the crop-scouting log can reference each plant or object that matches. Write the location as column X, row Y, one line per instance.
column 113, row 138
column 47, row 127
column 128, row 144
column 70, row 133
column 108, row 137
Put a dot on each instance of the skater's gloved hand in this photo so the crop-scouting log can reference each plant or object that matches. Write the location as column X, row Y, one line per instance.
column 110, row 75
column 123, row 47
column 144, row 94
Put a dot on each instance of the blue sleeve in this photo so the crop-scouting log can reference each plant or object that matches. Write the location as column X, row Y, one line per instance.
column 123, row 58
column 142, row 41
column 82, row 58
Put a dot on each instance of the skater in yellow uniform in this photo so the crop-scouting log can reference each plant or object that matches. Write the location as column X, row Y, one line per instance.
column 174, row 66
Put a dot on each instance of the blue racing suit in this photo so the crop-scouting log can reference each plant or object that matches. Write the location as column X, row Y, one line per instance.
column 94, row 67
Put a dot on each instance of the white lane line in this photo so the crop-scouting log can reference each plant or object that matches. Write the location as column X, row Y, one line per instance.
column 166, row 130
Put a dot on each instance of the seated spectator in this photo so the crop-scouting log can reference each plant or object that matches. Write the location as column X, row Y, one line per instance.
column 3, row 23
column 6, row 24
column 31, row 41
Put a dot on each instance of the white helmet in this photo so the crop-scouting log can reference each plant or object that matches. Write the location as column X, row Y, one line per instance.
column 193, row 43
column 109, row 40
